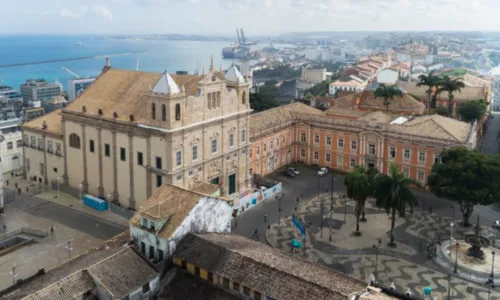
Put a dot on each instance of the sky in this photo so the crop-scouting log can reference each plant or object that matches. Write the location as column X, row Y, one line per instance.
column 258, row 17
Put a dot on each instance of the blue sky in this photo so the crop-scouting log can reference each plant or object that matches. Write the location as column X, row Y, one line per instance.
column 256, row 16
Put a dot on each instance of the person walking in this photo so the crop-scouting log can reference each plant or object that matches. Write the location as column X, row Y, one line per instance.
column 4, row 228
column 51, row 230
column 19, row 191
column 265, row 217
column 297, row 200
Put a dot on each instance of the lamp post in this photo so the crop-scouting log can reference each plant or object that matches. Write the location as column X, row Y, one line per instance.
column 80, row 188
column 491, row 280
column 331, row 207
column 109, row 204
column 69, row 248
column 14, row 274
column 279, row 208
column 453, row 218
column 451, row 233
column 456, row 257
column 58, row 178
column 376, row 256
column 345, row 207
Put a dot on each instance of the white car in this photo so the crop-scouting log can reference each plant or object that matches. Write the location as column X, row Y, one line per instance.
column 496, row 225
column 294, row 170
column 322, row 172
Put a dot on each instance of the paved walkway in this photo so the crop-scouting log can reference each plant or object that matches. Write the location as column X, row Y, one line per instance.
column 406, row 265
column 60, row 199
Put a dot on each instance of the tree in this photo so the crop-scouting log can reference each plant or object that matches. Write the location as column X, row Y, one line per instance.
column 450, row 86
column 466, row 177
column 430, row 81
column 393, row 193
column 264, row 99
column 359, row 186
column 471, row 111
column 387, row 92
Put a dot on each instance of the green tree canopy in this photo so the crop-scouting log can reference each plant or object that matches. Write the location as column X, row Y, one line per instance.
column 466, row 177
column 280, row 71
column 388, row 92
column 430, row 81
column 451, row 86
column 393, row 193
column 265, row 98
column 471, row 111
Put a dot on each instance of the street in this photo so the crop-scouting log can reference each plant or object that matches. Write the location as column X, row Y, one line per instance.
column 305, row 186
column 489, row 144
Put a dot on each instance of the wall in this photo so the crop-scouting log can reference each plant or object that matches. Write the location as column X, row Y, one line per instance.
column 53, row 162
column 12, row 159
column 276, row 155
column 255, row 198
column 387, row 76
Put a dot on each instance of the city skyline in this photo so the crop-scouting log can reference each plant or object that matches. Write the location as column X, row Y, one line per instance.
column 220, row 17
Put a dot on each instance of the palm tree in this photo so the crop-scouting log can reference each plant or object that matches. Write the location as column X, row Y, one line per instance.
column 392, row 193
column 451, row 86
column 359, row 186
column 387, row 92
column 430, row 81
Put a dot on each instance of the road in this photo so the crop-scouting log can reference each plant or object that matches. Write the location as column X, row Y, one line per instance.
column 307, row 185
column 66, row 216
column 489, row 144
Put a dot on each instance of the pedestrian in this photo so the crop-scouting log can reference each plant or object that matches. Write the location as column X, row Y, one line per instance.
column 297, row 200
column 235, row 223
column 265, row 217
column 16, row 185
column 4, row 228
column 430, row 210
column 51, row 230
column 295, row 208
column 19, row 191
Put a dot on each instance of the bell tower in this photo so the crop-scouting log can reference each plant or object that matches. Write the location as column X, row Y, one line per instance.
column 236, row 81
column 166, row 103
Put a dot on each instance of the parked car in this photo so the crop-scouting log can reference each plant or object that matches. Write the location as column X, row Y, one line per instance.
column 322, row 172
column 294, row 170
column 289, row 173
column 496, row 225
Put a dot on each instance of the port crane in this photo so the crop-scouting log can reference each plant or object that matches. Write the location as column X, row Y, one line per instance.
column 71, row 72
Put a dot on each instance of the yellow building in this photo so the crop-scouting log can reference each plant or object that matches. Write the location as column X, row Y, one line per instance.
column 131, row 131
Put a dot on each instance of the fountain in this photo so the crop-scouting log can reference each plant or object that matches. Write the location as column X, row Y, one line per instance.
column 477, row 241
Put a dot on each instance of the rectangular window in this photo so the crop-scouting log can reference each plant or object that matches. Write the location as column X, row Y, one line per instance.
column 406, row 171
column 210, row 276
column 26, row 140
column 42, row 169
column 316, row 155
column 243, row 135
column 158, row 162
column 371, row 149
column 107, row 150
column 328, row 157
column 283, row 139
column 139, row 159
column 58, row 148
column 437, row 159
column 49, row 146
column 271, row 145
column 145, row 288
column 231, row 140
column 353, row 163
column 257, row 295
column 195, row 152
column 236, row 286
column 421, row 176
column 406, row 155
column 353, row 145
column 421, row 157
column 10, row 146
column 246, row 291
column 265, row 148
column 392, row 152
column 302, row 153
column 340, row 161
column 184, row 265
column 123, row 156
column 178, row 158
column 328, row 140
column 316, row 139
column 19, row 144
column 40, row 144
column 214, row 146
column 341, row 143
column 257, row 151
column 159, row 180
column 197, row 271
column 33, row 142
column 91, row 146
column 303, row 137
column 225, row 283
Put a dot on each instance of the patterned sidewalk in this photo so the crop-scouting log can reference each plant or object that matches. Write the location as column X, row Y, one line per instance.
column 407, row 265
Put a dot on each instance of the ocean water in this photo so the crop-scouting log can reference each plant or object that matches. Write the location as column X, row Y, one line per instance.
column 154, row 56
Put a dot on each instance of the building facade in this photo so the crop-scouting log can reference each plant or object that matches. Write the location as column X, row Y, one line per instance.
column 11, row 149
column 77, row 86
column 367, row 138
column 130, row 132
column 39, row 90
column 312, row 75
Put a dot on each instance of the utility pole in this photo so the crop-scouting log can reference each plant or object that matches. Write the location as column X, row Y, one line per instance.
column 331, row 207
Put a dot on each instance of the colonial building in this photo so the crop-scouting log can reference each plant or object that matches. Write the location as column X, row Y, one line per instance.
column 342, row 138
column 130, row 132
column 11, row 149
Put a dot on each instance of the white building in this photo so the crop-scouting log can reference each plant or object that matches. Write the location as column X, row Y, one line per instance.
column 388, row 76
column 351, row 85
column 313, row 75
column 11, row 149
column 172, row 212
column 77, row 86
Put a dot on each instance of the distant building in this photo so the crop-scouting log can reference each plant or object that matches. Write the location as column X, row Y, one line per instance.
column 388, row 76
column 77, row 86
column 11, row 149
column 351, row 85
column 39, row 90
column 313, row 75
column 32, row 113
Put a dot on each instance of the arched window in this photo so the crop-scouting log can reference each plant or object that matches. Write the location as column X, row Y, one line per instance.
column 153, row 111
column 163, row 112
column 244, row 98
column 177, row 112
column 74, row 141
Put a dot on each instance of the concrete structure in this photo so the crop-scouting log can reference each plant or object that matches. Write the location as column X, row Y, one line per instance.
column 77, row 86
column 388, row 76
column 343, row 137
column 172, row 212
column 146, row 129
column 11, row 150
column 313, row 75
column 39, row 90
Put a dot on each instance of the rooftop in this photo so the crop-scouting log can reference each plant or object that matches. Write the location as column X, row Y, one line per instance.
column 265, row 269
column 52, row 121
column 437, row 126
column 467, row 93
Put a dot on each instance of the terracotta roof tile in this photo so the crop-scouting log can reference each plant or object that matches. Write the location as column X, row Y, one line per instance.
column 68, row 288
column 467, row 93
column 52, row 120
